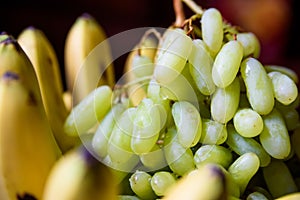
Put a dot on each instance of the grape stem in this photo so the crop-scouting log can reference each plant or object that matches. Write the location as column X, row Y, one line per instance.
column 193, row 6
column 179, row 13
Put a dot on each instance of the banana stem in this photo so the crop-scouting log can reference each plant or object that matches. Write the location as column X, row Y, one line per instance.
column 179, row 13
column 193, row 6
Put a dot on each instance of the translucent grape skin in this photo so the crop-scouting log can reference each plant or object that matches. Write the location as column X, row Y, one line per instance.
column 89, row 111
column 227, row 63
column 200, row 68
column 275, row 137
column 188, row 123
column 172, row 55
column 179, row 159
column 155, row 159
column 250, row 43
column 225, row 102
column 140, row 183
column 212, row 29
column 213, row 132
column 104, row 130
column 258, row 86
column 279, row 179
column 241, row 145
column 161, row 181
column 213, row 154
column 146, row 127
column 243, row 169
column 119, row 148
column 285, row 89
column 248, row 122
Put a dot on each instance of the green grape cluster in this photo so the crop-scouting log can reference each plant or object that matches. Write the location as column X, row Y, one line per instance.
column 206, row 99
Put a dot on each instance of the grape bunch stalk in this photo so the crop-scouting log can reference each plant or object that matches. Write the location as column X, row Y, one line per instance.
column 197, row 117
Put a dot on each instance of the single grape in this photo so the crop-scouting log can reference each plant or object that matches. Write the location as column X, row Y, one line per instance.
column 258, row 86
column 243, row 169
column 213, row 132
column 275, row 137
column 141, row 186
column 225, row 102
column 161, row 181
column 285, row 89
column 212, row 29
column 188, row 123
column 248, row 122
column 200, row 68
column 227, row 63
column 213, row 154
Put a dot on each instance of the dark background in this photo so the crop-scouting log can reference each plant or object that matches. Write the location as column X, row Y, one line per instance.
column 277, row 26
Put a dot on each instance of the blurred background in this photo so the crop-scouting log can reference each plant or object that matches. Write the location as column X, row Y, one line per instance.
column 275, row 22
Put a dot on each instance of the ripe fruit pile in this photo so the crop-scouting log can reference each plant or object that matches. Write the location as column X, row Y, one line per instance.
column 198, row 117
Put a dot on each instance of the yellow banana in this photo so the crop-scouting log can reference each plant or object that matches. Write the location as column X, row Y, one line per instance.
column 83, row 75
column 79, row 176
column 206, row 182
column 42, row 55
column 28, row 149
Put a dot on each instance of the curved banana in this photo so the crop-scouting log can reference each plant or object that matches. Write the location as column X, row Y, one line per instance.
column 42, row 55
column 136, row 91
column 206, row 182
column 85, row 75
column 28, row 149
column 79, row 176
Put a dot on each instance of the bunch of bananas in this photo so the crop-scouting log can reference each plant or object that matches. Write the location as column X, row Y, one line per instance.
column 37, row 159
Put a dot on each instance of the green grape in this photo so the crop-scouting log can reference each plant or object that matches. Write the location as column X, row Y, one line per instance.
column 279, row 179
column 155, row 159
column 258, row 85
column 127, row 197
column 213, row 132
column 212, row 29
column 213, row 154
column 285, row 89
column 248, row 123
column 243, row 169
column 290, row 115
column 225, row 102
column 140, row 183
column 284, row 70
column 256, row 196
column 142, row 66
column 161, row 181
column 118, row 169
column 179, row 159
column 179, row 89
column 154, row 93
column 146, row 127
column 227, row 63
column 104, row 130
column 172, row 55
column 250, row 43
column 200, row 68
column 242, row 145
column 188, row 123
column 89, row 111
column 275, row 137
column 119, row 148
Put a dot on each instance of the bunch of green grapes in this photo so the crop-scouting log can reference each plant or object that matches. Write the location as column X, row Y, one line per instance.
column 206, row 99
